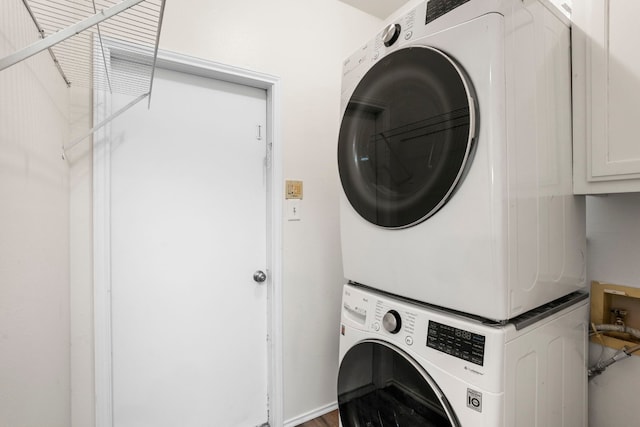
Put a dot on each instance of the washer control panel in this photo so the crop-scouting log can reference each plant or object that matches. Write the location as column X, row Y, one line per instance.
column 456, row 342
column 394, row 319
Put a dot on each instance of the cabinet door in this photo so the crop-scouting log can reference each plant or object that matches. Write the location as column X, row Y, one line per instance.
column 606, row 96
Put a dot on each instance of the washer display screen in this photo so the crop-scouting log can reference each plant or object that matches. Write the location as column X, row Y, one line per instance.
column 459, row 343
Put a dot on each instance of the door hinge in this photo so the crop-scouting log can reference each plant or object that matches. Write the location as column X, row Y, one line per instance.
column 267, row 159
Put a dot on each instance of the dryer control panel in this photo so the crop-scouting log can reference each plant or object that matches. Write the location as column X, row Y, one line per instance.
column 456, row 342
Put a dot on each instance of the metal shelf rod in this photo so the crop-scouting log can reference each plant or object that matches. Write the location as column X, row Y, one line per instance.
column 155, row 52
column 101, row 124
column 42, row 36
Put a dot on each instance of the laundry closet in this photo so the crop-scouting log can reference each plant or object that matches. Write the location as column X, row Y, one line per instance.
column 359, row 220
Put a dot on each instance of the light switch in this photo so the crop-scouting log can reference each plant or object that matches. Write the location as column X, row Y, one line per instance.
column 293, row 210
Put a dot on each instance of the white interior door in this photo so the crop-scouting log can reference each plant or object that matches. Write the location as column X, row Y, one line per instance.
column 188, row 230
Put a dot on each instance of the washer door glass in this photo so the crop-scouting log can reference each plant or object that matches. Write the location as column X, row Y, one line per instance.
column 406, row 137
column 379, row 386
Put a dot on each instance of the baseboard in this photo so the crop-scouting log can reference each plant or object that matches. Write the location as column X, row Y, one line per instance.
column 296, row 421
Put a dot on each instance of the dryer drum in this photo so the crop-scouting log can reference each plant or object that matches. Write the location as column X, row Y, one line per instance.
column 407, row 137
column 380, row 386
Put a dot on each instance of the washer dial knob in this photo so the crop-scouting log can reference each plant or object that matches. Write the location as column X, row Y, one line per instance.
column 391, row 34
column 392, row 322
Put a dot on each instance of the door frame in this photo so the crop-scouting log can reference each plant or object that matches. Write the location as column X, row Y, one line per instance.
column 101, row 228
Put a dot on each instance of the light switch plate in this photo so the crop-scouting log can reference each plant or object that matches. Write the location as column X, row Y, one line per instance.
column 293, row 210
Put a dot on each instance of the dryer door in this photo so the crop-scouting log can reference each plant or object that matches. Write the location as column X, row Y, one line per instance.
column 380, row 386
column 407, row 136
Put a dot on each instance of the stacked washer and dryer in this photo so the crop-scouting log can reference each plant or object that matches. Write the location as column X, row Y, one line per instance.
column 462, row 242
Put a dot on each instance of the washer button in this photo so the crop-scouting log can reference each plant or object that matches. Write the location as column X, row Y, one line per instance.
column 409, row 340
column 408, row 35
column 376, row 326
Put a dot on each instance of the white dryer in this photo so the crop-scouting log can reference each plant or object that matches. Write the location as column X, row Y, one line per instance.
column 406, row 365
column 454, row 155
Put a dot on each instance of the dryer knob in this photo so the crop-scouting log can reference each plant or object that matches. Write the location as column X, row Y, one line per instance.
column 392, row 322
column 391, row 34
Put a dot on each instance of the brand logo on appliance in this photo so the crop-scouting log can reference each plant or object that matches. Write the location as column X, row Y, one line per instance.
column 474, row 400
column 473, row 371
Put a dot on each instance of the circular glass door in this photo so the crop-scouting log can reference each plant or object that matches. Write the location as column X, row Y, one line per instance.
column 379, row 386
column 406, row 137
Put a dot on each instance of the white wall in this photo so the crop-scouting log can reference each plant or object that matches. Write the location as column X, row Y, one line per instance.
column 34, row 230
column 613, row 256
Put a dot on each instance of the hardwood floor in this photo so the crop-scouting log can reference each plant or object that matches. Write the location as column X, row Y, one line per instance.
column 327, row 420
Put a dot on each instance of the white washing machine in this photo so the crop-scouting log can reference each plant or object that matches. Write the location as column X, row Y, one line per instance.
column 404, row 364
column 455, row 159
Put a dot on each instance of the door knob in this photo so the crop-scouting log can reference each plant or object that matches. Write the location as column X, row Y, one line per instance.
column 259, row 276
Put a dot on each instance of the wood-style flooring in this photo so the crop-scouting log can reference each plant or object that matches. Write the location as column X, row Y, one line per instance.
column 327, row 420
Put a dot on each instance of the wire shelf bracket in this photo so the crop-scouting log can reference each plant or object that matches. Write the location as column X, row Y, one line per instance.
column 72, row 30
column 84, row 37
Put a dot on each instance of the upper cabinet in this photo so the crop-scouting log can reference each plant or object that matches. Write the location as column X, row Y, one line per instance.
column 606, row 96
